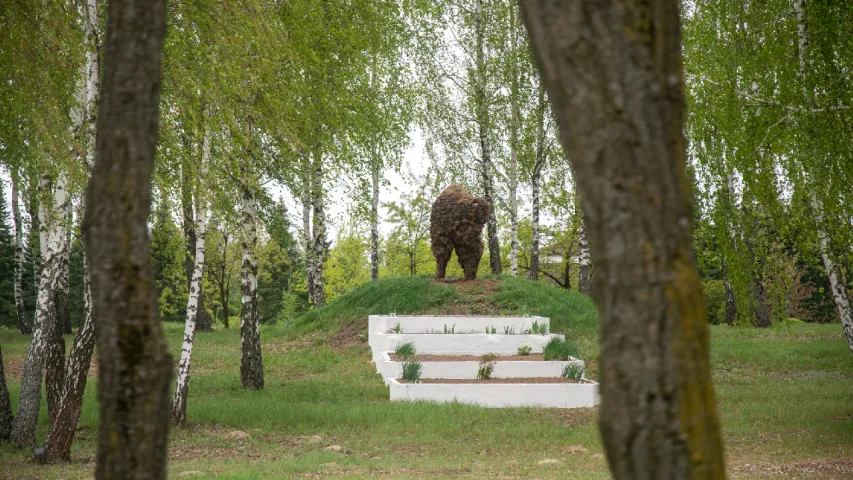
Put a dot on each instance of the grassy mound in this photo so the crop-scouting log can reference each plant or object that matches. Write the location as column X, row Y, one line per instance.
column 570, row 312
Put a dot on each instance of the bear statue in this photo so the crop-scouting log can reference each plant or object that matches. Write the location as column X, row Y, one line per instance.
column 456, row 222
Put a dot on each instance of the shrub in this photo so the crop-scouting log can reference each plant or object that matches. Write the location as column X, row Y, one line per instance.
column 405, row 350
column 487, row 367
column 558, row 349
column 524, row 350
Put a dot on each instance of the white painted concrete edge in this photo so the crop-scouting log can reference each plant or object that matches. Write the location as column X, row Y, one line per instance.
column 497, row 395
column 457, row 323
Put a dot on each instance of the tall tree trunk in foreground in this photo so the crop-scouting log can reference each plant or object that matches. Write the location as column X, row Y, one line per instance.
column 61, row 433
column 483, row 126
column 23, row 323
column 135, row 367
column 5, row 405
column 318, row 242
column 374, row 219
column 24, row 427
column 513, row 155
column 613, row 71
column 584, row 280
column 251, row 361
column 179, row 401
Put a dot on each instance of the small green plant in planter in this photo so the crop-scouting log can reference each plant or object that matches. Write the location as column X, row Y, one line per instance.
column 509, row 330
column 537, row 329
column 491, row 330
column 405, row 350
column 487, row 366
column 412, row 371
column 397, row 329
column 525, row 350
column 558, row 349
column 450, row 330
column 573, row 371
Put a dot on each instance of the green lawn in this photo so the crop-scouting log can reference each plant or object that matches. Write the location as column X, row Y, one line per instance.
column 784, row 395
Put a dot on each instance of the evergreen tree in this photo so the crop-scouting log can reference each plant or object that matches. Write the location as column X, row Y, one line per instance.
column 8, row 314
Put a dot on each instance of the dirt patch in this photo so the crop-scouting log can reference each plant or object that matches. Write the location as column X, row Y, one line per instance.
column 349, row 334
column 13, row 367
column 536, row 357
column 830, row 469
column 494, row 380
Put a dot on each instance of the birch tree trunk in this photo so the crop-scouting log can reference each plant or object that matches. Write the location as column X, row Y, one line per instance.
column 833, row 272
column 24, row 426
column 54, row 376
column 535, row 178
column 23, row 323
column 584, row 263
column 513, row 155
column 613, row 73
column 374, row 220
column 224, row 281
column 483, row 125
column 64, row 281
column 307, row 235
column 61, row 433
column 533, row 273
column 135, row 368
column 319, row 241
column 251, row 361
column 202, row 318
column 179, row 402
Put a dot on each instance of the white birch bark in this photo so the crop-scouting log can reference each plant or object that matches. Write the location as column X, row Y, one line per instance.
column 54, row 269
column 24, row 426
column 319, row 240
column 179, row 402
column 20, row 310
column 251, row 362
column 307, row 235
column 61, row 433
column 374, row 220
column 535, row 177
column 584, row 261
column 513, row 156
column 487, row 168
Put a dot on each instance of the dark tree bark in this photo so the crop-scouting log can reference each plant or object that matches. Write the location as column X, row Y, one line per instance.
column 613, row 71
column 135, row 366
column 5, row 405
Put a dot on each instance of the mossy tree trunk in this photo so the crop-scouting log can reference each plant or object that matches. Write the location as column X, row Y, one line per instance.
column 135, row 367
column 613, row 72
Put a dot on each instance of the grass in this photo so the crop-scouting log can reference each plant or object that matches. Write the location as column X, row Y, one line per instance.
column 784, row 397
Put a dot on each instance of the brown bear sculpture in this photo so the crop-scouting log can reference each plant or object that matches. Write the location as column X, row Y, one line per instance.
column 456, row 222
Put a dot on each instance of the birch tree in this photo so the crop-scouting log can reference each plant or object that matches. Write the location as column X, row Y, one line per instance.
column 624, row 80
column 23, row 322
column 5, row 405
column 135, row 368
column 251, row 361
column 179, row 401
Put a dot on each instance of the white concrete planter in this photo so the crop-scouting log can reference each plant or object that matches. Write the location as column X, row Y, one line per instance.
column 459, row 324
column 496, row 395
column 468, row 369
column 457, row 344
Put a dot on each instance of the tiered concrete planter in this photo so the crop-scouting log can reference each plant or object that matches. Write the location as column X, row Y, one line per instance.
column 497, row 395
column 458, row 344
column 426, row 333
column 468, row 369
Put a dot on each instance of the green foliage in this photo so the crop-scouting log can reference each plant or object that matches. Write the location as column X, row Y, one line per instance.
column 573, row 371
column 397, row 329
column 715, row 300
column 525, row 350
column 491, row 330
column 405, row 350
column 8, row 314
column 537, row 329
column 486, row 367
column 167, row 256
column 559, row 349
column 347, row 267
column 412, row 371
column 450, row 330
